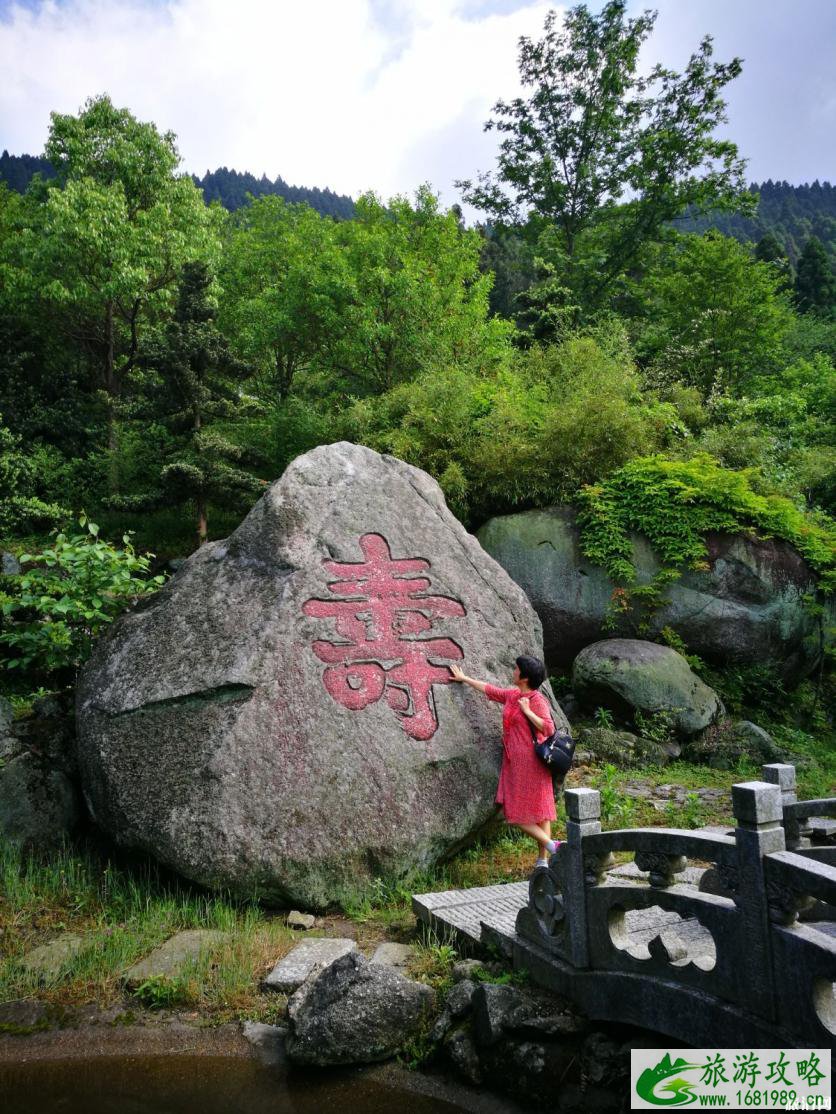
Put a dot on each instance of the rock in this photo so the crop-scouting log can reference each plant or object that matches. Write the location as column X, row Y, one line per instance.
column 461, row 1049
column 624, row 748
column 267, row 1040
column 466, row 968
column 460, row 999
column 628, row 675
column 398, row 956
column 221, row 729
column 47, row 960
column 354, row 1012
column 40, row 806
column 9, row 565
column 723, row 744
column 170, row 958
column 495, row 1009
column 747, row 608
column 291, row 971
column 295, row 919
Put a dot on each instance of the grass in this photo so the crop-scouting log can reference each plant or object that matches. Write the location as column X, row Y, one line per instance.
column 125, row 909
column 125, row 912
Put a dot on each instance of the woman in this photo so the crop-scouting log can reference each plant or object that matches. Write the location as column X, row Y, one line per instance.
column 525, row 788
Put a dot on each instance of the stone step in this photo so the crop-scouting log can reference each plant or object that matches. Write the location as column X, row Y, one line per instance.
column 397, row 956
column 47, row 960
column 171, row 957
column 292, row 970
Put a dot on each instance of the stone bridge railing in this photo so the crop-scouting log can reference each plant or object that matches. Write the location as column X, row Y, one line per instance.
column 751, row 973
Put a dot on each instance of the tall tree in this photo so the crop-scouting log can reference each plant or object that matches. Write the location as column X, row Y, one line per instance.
column 198, row 385
column 599, row 157
column 815, row 280
column 716, row 316
column 107, row 239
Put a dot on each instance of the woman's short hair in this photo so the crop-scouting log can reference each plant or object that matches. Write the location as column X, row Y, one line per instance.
column 532, row 669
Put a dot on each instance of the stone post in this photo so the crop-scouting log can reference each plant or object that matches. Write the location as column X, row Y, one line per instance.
column 782, row 774
column 758, row 832
column 583, row 817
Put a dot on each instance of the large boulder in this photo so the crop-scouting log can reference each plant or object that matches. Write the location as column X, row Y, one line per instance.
column 278, row 719
column 629, row 676
column 748, row 607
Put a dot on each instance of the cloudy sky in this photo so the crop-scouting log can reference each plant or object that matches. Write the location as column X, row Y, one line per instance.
column 383, row 94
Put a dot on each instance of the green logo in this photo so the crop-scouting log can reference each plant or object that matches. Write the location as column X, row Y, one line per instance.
column 654, row 1080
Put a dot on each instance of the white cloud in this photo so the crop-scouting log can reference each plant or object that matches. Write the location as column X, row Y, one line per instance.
column 352, row 94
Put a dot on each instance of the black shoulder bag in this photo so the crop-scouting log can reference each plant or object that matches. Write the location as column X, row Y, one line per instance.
column 557, row 750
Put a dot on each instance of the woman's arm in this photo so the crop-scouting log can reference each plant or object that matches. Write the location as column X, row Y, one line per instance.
column 458, row 675
column 539, row 723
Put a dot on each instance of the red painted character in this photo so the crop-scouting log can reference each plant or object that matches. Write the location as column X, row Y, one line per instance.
column 384, row 612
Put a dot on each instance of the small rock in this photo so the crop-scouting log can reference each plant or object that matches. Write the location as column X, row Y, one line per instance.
column 24, row 1013
column 458, row 1004
column 9, row 565
column 47, row 707
column 461, row 1049
column 170, row 958
column 295, row 919
column 466, row 968
column 460, row 998
column 268, row 1041
column 495, row 1009
column 354, row 1012
column 291, row 971
column 48, row 959
column 393, row 955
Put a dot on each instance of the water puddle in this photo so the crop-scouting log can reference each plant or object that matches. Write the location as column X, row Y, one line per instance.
column 186, row 1084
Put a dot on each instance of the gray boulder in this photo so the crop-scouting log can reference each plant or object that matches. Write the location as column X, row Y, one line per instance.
column 354, row 1012
column 748, row 606
column 628, row 675
column 723, row 744
column 279, row 718
column 40, row 805
column 624, row 748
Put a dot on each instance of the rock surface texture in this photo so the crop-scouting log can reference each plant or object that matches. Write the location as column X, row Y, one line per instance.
column 354, row 1012
column 629, row 675
column 746, row 608
column 279, row 717
column 39, row 802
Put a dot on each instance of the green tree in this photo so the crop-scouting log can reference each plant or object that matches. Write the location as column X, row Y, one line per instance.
column 715, row 316
column 21, row 511
column 287, row 289
column 106, row 240
column 815, row 281
column 198, row 386
column 594, row 131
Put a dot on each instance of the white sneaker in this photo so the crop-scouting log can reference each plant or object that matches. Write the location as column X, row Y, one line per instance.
column 541, row 862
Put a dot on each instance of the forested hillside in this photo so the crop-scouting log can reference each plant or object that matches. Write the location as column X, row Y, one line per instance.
column 227, row 186
column 792, row 214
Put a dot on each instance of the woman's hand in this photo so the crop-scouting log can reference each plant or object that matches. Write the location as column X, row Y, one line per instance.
column 533, row 718
column 524, row 704
column 458, row 675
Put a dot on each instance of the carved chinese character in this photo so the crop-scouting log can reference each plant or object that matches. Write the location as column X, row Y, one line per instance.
column 381, row 613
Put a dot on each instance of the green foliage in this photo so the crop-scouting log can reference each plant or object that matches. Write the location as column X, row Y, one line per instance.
column 162, row 992
column 714, row 317
column 815, row 279
column 65, row 596
column 21, row 511
column 593, row 129
column 675, row 503
column 617, row 808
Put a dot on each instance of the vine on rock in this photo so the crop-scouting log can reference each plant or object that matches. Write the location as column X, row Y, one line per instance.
column 675, row 504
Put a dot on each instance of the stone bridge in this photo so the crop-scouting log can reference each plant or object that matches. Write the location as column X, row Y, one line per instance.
column 717, row 938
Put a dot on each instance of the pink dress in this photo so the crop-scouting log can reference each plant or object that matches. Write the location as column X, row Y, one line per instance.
column 525, row 783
